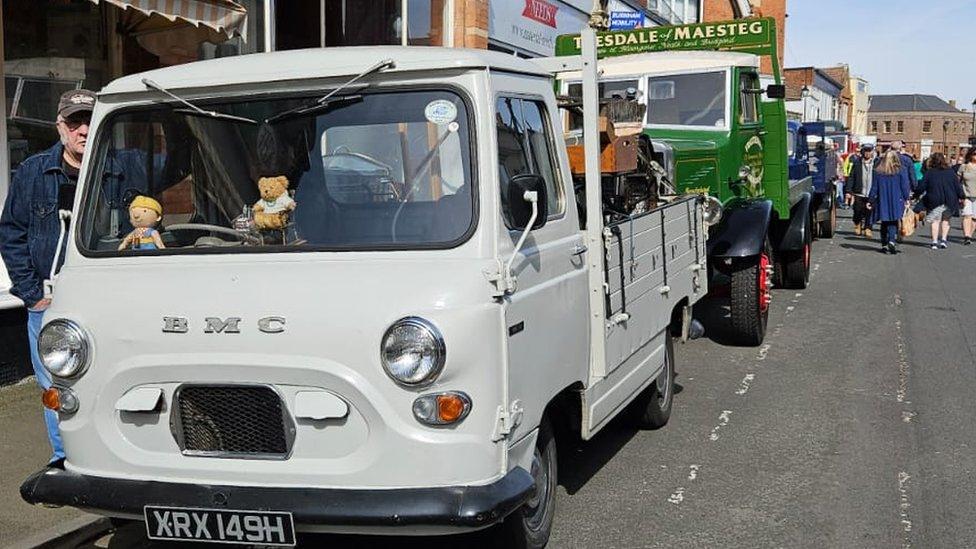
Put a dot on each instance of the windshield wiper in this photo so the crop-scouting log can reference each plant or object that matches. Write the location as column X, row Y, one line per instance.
column 193, row 109
column 323, row 102
column 314, row 108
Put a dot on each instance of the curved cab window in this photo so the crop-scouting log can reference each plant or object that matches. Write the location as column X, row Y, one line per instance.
column 372, row 171
column 687, row 100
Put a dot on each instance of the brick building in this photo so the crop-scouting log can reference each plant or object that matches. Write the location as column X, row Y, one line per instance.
column 812, row 95
column 926, row 123
column 723, row 10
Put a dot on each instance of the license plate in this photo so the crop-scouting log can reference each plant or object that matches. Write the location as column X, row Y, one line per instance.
column 220, row 525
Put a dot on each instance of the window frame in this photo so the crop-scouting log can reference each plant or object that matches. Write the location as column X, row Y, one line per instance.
column 754, row 97
column 86, row 212
column 557, row 170
column 727, row 73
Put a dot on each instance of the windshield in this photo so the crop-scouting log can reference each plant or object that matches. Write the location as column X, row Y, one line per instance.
column 377, row 171
column 687, row 100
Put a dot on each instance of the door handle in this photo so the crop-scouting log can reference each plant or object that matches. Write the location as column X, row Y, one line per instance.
column 579, row 249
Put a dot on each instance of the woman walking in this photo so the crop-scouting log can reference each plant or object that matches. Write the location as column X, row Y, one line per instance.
column 943, row 195
column 967, row 174
column 889, row 192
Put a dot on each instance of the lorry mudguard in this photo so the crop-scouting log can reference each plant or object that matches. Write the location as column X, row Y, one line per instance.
column 742, row 231
column 791, row 234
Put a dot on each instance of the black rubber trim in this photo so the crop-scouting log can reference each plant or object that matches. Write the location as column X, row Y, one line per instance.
column 454, row 506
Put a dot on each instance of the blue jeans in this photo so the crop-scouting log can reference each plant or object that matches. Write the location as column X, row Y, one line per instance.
column 840, row 192
column 34, row 319
column 889, row 232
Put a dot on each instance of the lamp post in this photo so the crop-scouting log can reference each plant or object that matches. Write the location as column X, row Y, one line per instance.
column 804, row 95
column 974, row 121
column 945, row 142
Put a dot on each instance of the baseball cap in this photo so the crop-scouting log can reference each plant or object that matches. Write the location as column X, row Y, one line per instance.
column 75, row 101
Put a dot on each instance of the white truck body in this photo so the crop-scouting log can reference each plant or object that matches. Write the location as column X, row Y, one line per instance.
column 308, row 326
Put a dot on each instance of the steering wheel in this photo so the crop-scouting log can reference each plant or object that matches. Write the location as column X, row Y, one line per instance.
column 243, row 237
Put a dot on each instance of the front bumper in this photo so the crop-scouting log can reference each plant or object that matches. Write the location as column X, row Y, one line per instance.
column 452, row 507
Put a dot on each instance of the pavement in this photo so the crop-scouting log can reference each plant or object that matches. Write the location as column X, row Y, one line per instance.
column 24, row 449
column 852, row 426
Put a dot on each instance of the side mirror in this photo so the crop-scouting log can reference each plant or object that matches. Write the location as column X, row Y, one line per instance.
column 520, row 208
column 776, row 91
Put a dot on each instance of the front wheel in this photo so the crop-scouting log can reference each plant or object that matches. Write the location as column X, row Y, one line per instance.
column 796, row 265
column 750, row 298
column 828, row 226
column 652, row 408
column 530, row 525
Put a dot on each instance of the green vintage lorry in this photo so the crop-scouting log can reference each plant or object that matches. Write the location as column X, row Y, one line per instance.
column 715, row 129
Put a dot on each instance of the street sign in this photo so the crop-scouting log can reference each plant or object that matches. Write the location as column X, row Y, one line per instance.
column 625, row 20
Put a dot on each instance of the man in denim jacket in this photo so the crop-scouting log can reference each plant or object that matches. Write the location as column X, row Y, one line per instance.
column 30, row 225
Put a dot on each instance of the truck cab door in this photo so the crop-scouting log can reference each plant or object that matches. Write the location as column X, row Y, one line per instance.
column 546, row 316
column 749, row 135
column 817, row 137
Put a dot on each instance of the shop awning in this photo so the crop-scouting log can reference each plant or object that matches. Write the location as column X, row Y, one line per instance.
column 224, row 16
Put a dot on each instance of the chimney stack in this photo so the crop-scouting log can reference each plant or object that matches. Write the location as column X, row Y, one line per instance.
column 952, row 103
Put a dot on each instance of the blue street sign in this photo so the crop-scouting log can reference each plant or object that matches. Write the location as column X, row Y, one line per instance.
column 626, row 20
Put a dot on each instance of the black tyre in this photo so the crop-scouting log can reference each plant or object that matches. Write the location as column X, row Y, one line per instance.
column 652, row 408
column 796, row 265
column 828, row 226
column 530, row 525
column 749, row 298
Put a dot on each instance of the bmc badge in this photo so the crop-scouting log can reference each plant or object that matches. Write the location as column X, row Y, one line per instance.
column 229, row 325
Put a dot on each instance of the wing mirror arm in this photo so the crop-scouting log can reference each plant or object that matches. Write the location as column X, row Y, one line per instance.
column 532, row 197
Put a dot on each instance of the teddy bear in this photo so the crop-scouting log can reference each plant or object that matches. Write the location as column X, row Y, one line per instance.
column 144, row 213
column 275, row 206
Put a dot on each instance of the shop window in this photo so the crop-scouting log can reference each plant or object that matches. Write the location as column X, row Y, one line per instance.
column 50, row 46
column 356, row 23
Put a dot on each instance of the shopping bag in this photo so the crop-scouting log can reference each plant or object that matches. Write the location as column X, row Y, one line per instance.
column 908, row 222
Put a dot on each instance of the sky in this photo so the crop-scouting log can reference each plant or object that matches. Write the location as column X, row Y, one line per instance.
column 899, row 46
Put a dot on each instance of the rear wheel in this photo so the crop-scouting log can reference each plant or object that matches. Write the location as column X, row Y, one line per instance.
column 652, row 408
column 530, row 525
column 750, row 298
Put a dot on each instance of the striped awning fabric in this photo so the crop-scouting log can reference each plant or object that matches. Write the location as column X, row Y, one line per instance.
column 223, row 16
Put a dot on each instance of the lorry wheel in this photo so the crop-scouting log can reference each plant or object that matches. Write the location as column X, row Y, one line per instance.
column 829, row 225
column 750, row 298
column 530, row 525
column 796, row 265
column 652, row 408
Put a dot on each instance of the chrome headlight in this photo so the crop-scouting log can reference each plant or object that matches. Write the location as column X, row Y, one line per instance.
column 413, row 351
column 713, row 210
column 64, row 348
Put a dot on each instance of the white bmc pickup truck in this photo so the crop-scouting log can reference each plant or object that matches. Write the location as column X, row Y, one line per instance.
column 398, row 355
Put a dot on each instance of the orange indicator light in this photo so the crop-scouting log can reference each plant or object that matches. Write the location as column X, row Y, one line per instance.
column 51, row 399
column 450, row 408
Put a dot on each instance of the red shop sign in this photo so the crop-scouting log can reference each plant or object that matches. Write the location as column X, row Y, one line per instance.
column 541, row 11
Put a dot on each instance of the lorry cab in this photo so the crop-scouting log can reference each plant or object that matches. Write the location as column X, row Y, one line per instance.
column 394, row 349
column 702, row 109
column 813, row 159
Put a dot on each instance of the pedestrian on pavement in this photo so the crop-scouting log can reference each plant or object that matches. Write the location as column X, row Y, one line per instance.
column 30, row 227
column 840, row 176
column 890, row 190
column 919, row 174
column 967, row 175
column 907, row 162
column 943, row 195
column 859, row 187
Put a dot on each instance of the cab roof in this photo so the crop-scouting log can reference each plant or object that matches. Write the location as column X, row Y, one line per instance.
column 669, row 62
column 318, row 63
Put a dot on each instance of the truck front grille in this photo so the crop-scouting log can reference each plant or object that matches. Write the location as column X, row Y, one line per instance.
column 246, row 421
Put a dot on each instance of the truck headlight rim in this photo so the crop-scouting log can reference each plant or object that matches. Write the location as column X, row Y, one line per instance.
column 413, row 352
column 713, row 210
column 64, row 348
